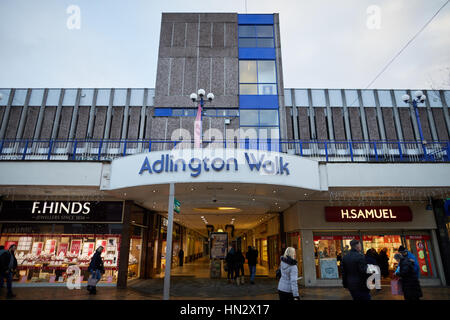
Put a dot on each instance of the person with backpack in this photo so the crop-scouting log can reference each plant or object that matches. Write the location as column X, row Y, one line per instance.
column 287, row 285
column 96, row 269
column 8, row 266
column 408, row 277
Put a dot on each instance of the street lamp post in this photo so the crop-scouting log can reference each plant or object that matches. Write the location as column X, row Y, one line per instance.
column 419, row 97
column 199, row 118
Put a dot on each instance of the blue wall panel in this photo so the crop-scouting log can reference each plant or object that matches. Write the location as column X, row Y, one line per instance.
column 258, row 102
column 255, row 18
column 257, row 54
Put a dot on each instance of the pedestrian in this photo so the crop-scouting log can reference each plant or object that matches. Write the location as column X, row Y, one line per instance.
column 229, row 259
column 287, row 286
column 354, row 272
column 8, row 266
column 383, row 263
column 408, row 277
column 181, row 257
column 239, row 261
column 404, row 252
column 96, row 269
column 252, row 256
column 371, row 257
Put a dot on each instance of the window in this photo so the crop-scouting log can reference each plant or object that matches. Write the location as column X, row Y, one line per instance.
column 351, row 97
column 259, row 118
column 328, row 253
column 318, row 98
column 368, row 98
column 70, row 95
column 103, row 97
column 192, row 112
column 4, row 96
column 86, row 97
column 257, row 77
column 53, row 97
column 36, row 97
column 120, row 97
column 384, row 97
column 256, row 36
column 19, row 97
column 137, row 97
column 335, row 98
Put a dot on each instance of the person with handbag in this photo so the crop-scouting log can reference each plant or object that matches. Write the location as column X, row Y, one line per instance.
column 8, row 266
column 287, row 285
column 96, row 269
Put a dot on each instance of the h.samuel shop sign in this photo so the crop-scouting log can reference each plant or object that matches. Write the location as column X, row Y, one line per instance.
column 214, row 165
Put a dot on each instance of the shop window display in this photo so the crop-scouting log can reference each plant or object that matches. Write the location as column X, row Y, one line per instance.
column 389, row 242
column 419, row 245
column 46, row 257
column 328, row 253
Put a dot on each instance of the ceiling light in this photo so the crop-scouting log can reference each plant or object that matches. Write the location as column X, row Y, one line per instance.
column 235, row 189
column 274, row 191
column 253, row 199
column 154, row 191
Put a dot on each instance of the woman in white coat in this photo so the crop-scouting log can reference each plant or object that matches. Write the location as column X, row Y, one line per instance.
column 287, row 286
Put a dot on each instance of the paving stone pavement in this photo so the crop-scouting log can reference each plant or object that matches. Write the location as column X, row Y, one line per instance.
column 189, row 288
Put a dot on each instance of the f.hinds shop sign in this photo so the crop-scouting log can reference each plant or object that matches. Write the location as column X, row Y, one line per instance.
column 61, row 211
column 368, row 214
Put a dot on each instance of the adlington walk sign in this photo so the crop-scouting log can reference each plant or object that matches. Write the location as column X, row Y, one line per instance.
column 214, row 165
column 259, row 163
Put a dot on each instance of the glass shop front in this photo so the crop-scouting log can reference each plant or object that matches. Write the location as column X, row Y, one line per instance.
column 52, row 236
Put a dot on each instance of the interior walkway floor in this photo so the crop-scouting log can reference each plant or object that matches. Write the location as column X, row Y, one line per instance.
column 201, row 269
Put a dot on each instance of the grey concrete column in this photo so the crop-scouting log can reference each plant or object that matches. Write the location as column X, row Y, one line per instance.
column 23, row 116
column 108, row 114
column 124, row 253
column 348, row 131
column 125, row 115
column 311, row 116
column 445, row 110
column 6, row 114
column 37, row 130
column 398, row 125
column 92, row 115
column 329, row 116
column 380, row 117
column 143, row 114
column 413, row 117
column 309, row 266
column 73, row 123
column 440, row 266
column 57, row 115
column 363, row 116
column 434, row 134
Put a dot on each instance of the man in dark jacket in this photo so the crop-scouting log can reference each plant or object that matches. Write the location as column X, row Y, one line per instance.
column 354, row 272
column 383, row 262
column 96, row 269
column 8, row 265
column 229, row 259
column 181, row 257
column 408, row 277
column 252, row 256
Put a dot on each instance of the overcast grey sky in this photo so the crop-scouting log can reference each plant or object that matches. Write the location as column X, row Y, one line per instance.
column 325, row 43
